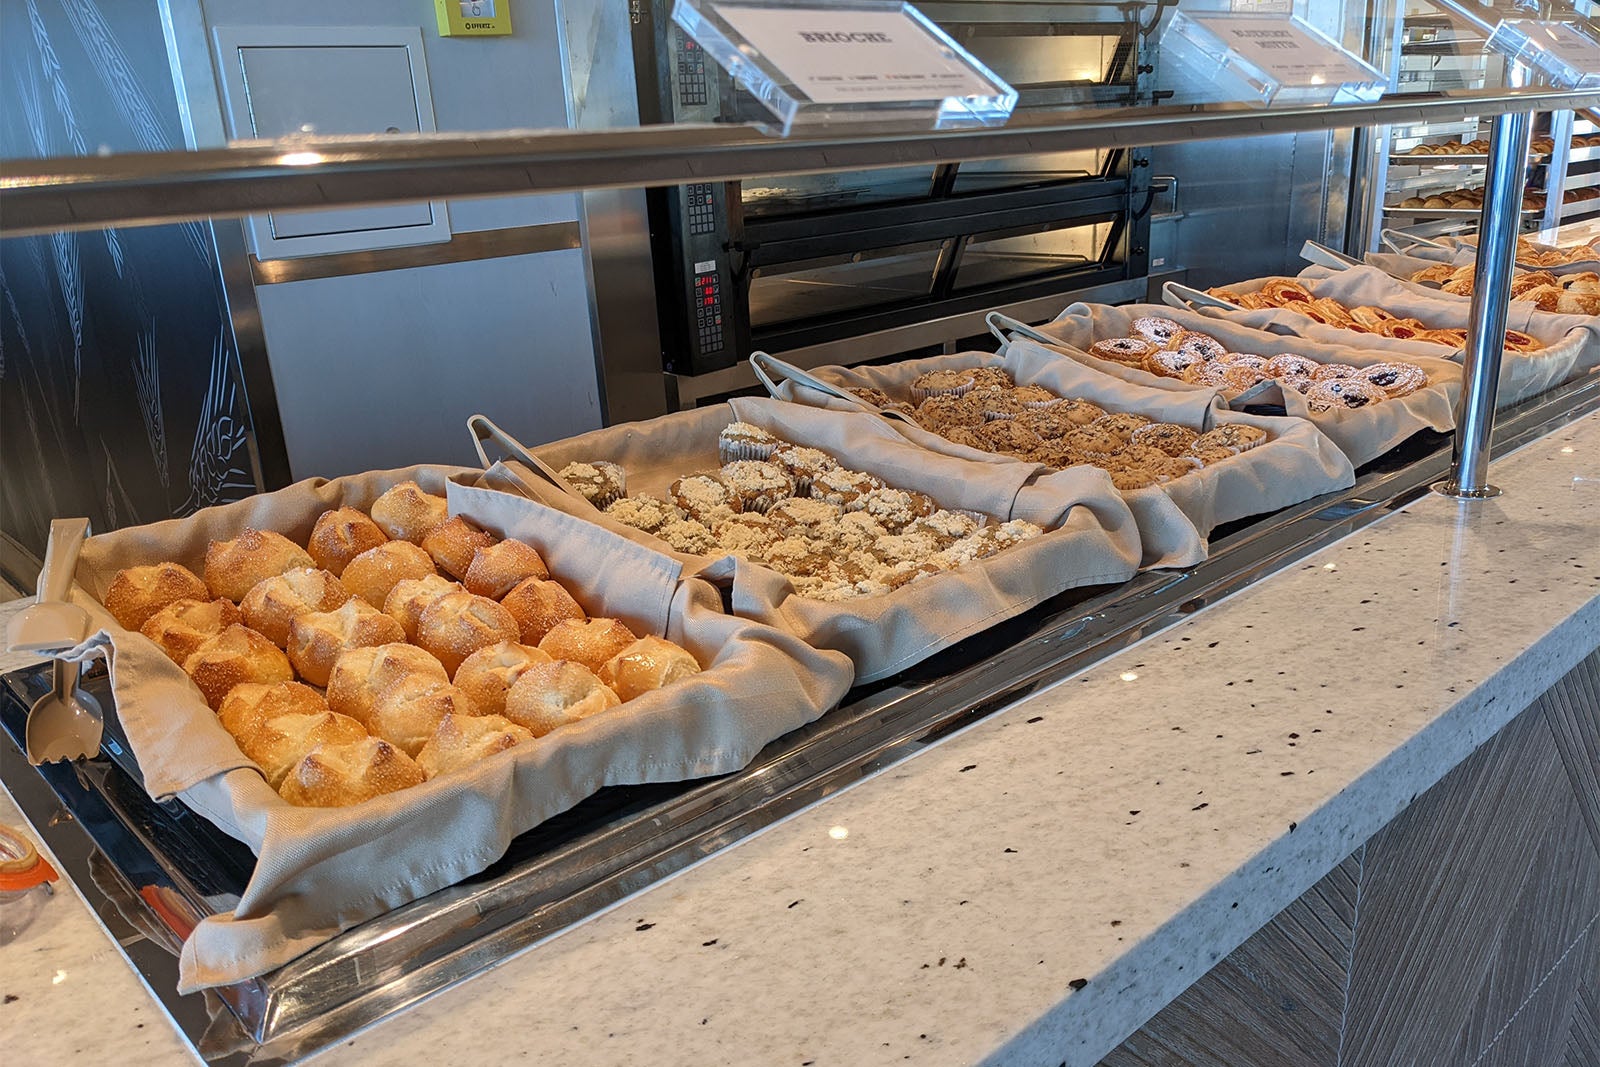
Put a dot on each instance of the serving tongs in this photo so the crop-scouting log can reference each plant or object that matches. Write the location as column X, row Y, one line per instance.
column 66, row 723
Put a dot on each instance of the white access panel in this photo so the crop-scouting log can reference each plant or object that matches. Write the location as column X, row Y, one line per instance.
column 327, row 81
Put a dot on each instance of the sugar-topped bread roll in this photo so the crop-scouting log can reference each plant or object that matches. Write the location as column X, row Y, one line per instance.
column 278, row 743
column 590, row 642
column 272, row 605
column 361, row 676
column 649, row 663
column 409, row 598
column 408, row 714
column 334, row 776
column 458, row 624
column 340, row 536
column 183, row 626
column 376, row 571
column 453, row 545
column 316, row 638
column 462, row 741
column 137, row 593
column 499, row 568
column 233, row 657
column 489, row 673
column 249, row 705
column 554, row 694
column 406, row 513
column 234, row 567
column 539, row 604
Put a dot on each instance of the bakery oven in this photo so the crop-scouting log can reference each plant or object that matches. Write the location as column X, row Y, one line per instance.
column 858, row 263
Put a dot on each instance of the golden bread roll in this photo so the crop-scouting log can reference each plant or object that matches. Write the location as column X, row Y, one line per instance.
column 489, row 673
column 279, row 743
column 406, row 513
column 461, row 741
column 458, row 624
column 316, row 638
column 272, row 605
column 340, row 536
column 538, row 604
column 235, row 656
column 249, row 705
column 408, row 714
column 453, row 545
column 498, row 568
column 550, row 695
column 234, row 567
column 407, row 600
column 649, row 663
column 361, row 676
column 183, row 626
column 137, row 593
column 590, row 642
column 375, row 572
column 334, row 776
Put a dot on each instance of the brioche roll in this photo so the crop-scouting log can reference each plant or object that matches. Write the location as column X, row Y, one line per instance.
column 279, row 743
column 376, row 571
column 272, row 605
column 590, row 642
column 454, row 544
column 361, row 676
column 138, row 593
column 183, row 626
column 539, row 604
column 316, row 638
column 551, row 695
column 462, row 741
column 498, row 568
column 458, row 624
column 235, row 656
column 408, row 714
column 489, row 673
column 249, row 705
column 649, row 663
column 334, row 776
column 234, row 567
column 340, row 536
column 406, row 513
column 410, row 597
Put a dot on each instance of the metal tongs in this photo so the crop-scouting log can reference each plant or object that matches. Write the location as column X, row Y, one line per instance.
column 66, row 723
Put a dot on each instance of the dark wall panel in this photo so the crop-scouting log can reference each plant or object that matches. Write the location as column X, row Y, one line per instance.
column 119, row 394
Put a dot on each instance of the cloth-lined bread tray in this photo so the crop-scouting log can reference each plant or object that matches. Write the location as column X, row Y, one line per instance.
column 1089, row 535
column 1295, row 463
column 322, row 870
column 1571, row 342
column 1362, row 434
column 1456, row 251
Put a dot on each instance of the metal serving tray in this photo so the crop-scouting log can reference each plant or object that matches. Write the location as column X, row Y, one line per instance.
column 1474, row 159
column 152, row 870
column 1445, row 212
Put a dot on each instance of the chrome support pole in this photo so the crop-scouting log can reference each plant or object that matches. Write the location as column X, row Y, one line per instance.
column 1491, row 292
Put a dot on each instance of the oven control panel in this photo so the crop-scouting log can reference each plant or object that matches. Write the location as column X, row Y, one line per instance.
column 700, row 207
column 691, row 73
column 708, row 306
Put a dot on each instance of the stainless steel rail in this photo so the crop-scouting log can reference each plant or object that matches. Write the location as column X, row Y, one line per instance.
column 145, row 189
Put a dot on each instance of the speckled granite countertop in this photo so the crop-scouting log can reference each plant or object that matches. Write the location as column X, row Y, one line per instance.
column 1032, row 889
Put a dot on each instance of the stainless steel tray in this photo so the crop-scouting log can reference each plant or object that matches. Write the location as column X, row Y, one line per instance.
column 1444, row 212
column 149, row 870
column 1473, row 159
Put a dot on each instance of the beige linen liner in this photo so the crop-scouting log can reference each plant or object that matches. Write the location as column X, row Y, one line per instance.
column 1174, row 518
column 1456, row 250
column 1572, row 342
column 1362, row 435
column 323, row 870
column 1090, row 539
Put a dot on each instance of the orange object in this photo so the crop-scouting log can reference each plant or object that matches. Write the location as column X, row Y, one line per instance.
column 21, row 866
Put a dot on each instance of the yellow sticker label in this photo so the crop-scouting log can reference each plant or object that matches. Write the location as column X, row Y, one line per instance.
column 473, row 18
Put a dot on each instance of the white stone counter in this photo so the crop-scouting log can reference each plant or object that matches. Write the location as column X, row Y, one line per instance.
column 1032, row 889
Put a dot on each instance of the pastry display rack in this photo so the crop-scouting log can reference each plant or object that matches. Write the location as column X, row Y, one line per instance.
column 152, row 870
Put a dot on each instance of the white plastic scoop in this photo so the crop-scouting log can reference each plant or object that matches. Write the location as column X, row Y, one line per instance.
column 64, row 723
